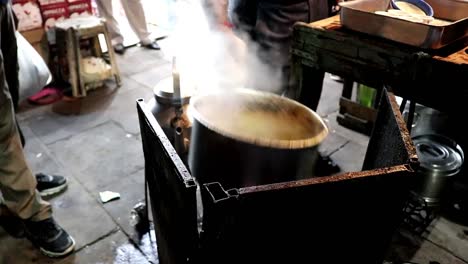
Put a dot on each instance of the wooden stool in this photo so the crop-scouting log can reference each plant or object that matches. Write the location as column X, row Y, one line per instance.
column 353, row 115
column 70, row 34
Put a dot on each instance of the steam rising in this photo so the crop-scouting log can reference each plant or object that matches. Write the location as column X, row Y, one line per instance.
column 210, row 60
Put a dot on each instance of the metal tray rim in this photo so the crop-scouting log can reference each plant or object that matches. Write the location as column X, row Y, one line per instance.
column 434, row 39
column 349, row 5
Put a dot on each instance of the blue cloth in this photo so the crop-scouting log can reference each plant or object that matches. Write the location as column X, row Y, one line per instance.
column 4, row 1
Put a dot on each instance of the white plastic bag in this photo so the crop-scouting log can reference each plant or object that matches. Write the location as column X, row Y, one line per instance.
column 34, row 73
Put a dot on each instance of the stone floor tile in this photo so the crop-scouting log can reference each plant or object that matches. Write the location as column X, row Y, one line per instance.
column 39, row 157
column 136, row 60
column 450, row 235
column 151, row 76
column 350, row 134
column 115, row 249
column 130, row 194
column 51, row 126
column 406, row 247
column 332, row 143
column 331, row 93
column 81, row 215
column 100, row 156
column 350, row 157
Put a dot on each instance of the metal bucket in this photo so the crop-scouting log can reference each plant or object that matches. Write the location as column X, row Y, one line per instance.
column 427, row 121
column 245, row 138
column 440, row 159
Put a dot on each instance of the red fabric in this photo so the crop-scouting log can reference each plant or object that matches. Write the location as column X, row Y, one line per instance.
column 227, row 24
column 46, row 96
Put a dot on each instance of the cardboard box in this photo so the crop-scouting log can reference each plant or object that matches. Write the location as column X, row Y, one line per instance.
column 37, row 38
column 80, row 8
column 34, row 36
column 53, row 13
column 22, row 1
column 28, row 14
column 51, row 2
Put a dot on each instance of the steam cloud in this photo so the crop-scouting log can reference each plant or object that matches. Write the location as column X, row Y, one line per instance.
column 210, row 60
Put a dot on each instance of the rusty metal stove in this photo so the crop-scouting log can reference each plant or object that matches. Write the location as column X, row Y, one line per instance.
column 346, row 218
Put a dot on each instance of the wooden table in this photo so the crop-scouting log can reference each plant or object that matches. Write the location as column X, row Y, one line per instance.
column 435, row 78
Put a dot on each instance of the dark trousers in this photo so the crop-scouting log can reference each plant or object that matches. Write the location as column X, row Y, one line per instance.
column 10, row 60
column 270, row 23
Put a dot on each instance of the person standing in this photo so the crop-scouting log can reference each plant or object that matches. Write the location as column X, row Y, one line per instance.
column 136, row 18
column 22, row 212
column 269, row 23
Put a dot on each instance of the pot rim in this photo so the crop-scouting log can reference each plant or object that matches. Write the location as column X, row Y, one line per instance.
column 449, row 143
column 272, row 143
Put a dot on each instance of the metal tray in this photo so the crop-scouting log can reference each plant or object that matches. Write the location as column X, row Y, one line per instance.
column 359, row 15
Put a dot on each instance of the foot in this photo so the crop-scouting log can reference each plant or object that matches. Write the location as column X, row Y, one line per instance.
column 119, row 48
column 50, row 184
column 49, row 237
column 12, row 225
column 325, row 166
column 152, row 45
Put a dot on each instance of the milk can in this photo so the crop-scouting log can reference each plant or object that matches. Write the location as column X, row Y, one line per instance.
column 169, row 107
column 440, row 159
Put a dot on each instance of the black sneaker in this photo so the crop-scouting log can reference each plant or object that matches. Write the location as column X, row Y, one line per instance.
column 152, row 45
column 50, row 184
column 49, row 237
column 119, row 48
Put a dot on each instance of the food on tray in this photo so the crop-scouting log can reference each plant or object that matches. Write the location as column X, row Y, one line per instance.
column 409, row 8
column 417, row 18
column 95, row 69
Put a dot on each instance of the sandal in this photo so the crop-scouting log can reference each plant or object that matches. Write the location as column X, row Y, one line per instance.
column 46, row 96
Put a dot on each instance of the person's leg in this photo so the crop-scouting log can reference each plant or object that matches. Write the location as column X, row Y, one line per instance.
column 137, row 20
column 18, row 188
column 312, row 83
column 17, row 183
column 10, row 222
column 46, row 184
column 9, row 48
column 106, row 11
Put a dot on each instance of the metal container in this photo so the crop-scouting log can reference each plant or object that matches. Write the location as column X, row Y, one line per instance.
column 359, row 16
column 453, row 10
column 427, row 120
column 170, row 110
column 440, row 159
column 253, row 138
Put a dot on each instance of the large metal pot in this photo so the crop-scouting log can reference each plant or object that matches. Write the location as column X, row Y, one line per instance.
column 245, row 138
column 440, row 159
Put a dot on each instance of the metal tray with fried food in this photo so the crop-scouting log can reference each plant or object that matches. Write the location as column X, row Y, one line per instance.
column 450, row 22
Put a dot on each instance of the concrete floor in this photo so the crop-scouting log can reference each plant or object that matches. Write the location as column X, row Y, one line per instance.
column 100, row 149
